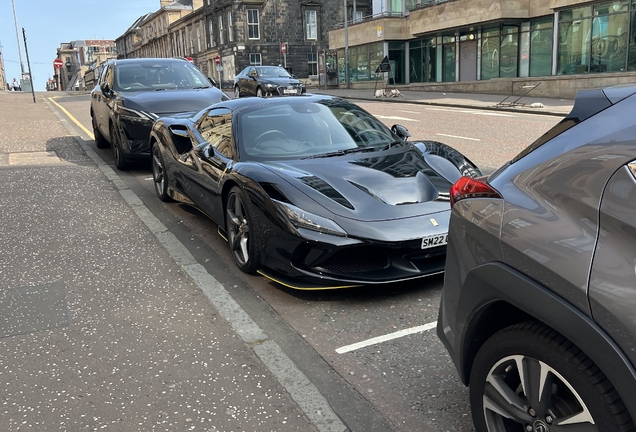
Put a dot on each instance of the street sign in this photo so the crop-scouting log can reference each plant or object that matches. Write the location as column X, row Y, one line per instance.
column 58, row 63
column 219, row 68
column 283, row 47
column 385, row 66
column 190, row 59
column 217, row 60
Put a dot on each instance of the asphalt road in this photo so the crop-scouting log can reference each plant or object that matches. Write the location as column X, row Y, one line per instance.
column 409, row 380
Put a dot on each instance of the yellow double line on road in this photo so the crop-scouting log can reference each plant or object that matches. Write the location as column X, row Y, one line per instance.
column 73, row 119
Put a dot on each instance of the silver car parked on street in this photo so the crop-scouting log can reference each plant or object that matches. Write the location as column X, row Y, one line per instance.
column 538, row 309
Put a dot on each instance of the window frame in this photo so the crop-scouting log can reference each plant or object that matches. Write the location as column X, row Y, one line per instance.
column 211, row 32
column 221, row 40
column 260, row 59
column 230, row 27
column 309, row 26
column 251, row 13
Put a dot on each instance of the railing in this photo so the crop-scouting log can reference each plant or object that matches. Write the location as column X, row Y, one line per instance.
column 428, row 3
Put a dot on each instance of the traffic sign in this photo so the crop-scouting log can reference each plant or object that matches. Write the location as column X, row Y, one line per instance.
column 190, row 59
column 217, row 60
column 219, row 68
column 283, row 47
column 58, row 63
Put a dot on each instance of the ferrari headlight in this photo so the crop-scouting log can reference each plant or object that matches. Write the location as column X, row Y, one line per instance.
column 303, row 219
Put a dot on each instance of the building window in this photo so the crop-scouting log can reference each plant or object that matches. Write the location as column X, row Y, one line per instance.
column 311, row 26
column 198, row 39
column 541, row 35
column 253, row 26
column 230, row 27
column 255, row 59
column 220, row 30
column 312, row 63
column 211, row 32
column 490, row 53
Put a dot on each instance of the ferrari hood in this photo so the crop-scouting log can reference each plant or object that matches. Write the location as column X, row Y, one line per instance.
column 172, row 101
column 393, row 184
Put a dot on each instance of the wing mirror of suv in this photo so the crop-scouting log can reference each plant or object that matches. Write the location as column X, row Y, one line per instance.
column 105, row 88
column 400, row 131
column 204, row 151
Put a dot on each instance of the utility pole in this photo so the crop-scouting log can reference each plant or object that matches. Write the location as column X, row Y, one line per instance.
column 346, row 53
column 17, row 37
column 26, row 50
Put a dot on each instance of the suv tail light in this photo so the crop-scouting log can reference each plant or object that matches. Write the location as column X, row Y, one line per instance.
column 467, row 187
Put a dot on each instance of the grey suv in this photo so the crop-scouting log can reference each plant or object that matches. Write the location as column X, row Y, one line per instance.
column 539, row 305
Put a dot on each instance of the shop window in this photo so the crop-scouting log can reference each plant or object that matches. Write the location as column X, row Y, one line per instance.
column 631, row 61
column 509, row 52
column 490, row 54
column 541, row 37
column 609, row 43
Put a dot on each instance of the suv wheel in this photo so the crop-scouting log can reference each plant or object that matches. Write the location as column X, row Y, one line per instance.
column 528, row 377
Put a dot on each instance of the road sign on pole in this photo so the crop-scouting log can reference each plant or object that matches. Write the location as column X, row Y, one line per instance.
column 217, row 60
column 58, row 63
column 283, row 48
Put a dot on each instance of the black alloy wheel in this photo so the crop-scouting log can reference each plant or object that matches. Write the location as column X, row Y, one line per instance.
column 237, row 92
column 528, row 377
column 159, row 175
column 259, row 92
column 120, row 160
column 100, row 141
column 237, row 223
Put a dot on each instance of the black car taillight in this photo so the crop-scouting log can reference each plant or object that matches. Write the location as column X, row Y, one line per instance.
column 467, row 187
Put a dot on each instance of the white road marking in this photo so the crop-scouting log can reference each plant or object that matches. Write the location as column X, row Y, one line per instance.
column 396, row 118
column 490, row 113
column 460, row 137
column 476, row 112
column 385, row 338
column 410, row 112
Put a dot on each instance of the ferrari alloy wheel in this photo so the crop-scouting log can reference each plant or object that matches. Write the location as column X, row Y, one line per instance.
column 528, row 377
column 237, row 92
column 100, row 141
column 120, row 160
column 159, row 175
column 241, row 239
column 259, row 92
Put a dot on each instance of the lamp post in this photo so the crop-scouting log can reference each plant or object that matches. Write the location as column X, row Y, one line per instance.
column 346, row 53
column 17, row 37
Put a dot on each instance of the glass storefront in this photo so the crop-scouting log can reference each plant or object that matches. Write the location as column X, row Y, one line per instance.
column 541, row 35
column 363, row 62
column 490, row 53
column 594, row 39
column 423, row 60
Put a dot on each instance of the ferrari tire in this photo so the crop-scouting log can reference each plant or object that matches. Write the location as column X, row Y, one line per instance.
column 120, row 159
column 529, row 377
column 160, row 175
column 237, row 92
column 259, row 92
column 100, row 141
column 238, row 222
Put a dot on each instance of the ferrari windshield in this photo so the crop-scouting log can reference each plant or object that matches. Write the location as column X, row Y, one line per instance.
column 301, row 129
column 160, row 75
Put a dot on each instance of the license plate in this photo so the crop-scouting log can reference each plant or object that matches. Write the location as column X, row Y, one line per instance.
column 294, row 91
column 434, row 240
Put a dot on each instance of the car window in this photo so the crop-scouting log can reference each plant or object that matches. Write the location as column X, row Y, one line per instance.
column 300, row 129
column 216, row 128
column 160, row 75
column 108, row 76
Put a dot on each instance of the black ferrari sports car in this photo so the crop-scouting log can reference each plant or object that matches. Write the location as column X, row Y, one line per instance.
column 312, row 192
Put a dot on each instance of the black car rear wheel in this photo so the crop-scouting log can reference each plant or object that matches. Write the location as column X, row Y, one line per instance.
column 237, row 92
column 159, row 175
column 100, row 141
column 238, row 221
column 528, row 377
column 120, row 159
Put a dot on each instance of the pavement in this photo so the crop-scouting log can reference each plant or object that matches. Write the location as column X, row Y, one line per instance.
column 532, row 105
column 106, row 318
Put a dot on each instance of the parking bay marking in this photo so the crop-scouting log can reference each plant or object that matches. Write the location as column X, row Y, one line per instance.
column 387, row 337
column 460, row 137
column 396, row 118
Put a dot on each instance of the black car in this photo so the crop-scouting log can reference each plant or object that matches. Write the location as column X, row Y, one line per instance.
column 132, row 93
column 264, row 81
column 537, row 310
column 313, row 191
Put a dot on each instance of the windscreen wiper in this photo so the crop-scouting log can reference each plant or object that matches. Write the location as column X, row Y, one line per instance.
column 341, row 152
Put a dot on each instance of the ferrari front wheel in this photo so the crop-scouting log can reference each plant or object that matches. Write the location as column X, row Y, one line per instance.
column 528, row 377
column 238, row 224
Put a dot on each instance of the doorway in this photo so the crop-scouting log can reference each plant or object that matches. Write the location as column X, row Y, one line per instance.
column 468, row 60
